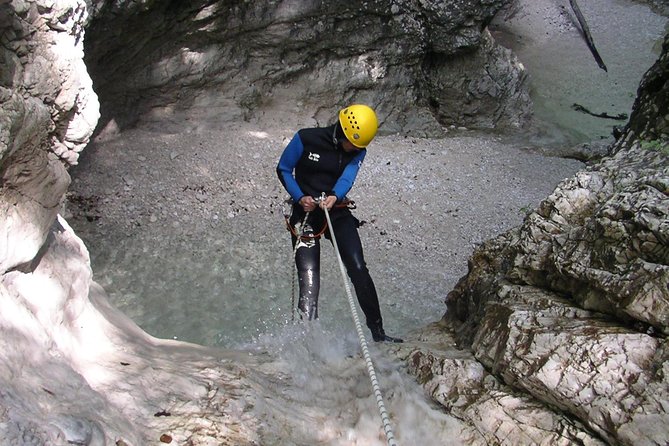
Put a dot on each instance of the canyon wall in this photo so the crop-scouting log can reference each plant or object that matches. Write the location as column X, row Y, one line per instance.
column 571, row 309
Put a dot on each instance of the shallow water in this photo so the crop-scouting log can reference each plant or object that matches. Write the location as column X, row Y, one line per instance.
column 207, row 274
column 547, row 39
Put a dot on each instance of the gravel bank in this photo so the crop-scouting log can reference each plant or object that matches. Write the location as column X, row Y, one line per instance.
column 187, row 236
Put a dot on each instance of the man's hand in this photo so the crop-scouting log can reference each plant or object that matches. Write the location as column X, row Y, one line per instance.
column 308, row 203
column 329, row 201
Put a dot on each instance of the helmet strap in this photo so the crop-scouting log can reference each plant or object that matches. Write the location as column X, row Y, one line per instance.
column 338, row 135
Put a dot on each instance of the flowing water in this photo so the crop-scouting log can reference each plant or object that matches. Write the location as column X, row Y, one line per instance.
column 222, row 275
column 318, row 392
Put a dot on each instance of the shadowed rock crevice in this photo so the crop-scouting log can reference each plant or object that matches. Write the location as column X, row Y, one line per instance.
column 206, row 65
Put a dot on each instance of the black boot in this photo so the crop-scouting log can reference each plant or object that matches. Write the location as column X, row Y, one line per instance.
column 380, row 336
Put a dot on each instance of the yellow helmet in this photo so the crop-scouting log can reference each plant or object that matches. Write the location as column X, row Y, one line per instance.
column 359, row 124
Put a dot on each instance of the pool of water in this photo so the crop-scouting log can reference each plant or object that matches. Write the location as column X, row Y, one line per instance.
column 547, row 39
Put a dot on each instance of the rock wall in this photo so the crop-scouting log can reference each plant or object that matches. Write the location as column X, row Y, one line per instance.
column 72, row 369
column 571, row 309
column 423, row 64
column 48, row 112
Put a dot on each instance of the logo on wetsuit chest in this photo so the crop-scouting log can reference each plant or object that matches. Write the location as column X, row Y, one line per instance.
column 314, row 156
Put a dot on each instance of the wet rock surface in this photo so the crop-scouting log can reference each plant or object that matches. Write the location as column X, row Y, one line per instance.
column 572, row 305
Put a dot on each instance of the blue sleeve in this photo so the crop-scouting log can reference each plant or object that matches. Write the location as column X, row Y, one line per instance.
column 291, row 155
column 346, row 180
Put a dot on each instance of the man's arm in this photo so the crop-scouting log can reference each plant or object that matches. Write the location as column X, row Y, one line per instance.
column 284, row 170
column 347, row 178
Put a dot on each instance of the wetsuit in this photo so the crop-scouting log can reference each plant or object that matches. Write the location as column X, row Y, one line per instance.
column 312, row 163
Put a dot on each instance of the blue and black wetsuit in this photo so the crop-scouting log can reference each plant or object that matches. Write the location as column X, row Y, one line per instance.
column 312, row 163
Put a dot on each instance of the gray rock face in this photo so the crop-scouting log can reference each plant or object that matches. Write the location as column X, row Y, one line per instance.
column 422, row 64
column 48, row 111
column 497, row 413
column 600, row 372
column 572, row 307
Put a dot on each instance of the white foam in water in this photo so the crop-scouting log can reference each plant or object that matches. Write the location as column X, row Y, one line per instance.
column 318, row 391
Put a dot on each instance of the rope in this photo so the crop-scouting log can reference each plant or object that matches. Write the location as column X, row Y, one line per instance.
column 385, row 419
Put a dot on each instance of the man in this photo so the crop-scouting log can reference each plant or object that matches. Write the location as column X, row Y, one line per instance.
column 326, row 160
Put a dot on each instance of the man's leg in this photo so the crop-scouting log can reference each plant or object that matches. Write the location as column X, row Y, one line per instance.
column 307, row 261
column 350, row 249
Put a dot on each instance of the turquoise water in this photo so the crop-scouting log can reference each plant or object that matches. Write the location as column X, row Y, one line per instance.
column 547, row 39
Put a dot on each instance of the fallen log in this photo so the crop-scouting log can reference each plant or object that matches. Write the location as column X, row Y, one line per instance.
column 619, row 117
column 586, row 32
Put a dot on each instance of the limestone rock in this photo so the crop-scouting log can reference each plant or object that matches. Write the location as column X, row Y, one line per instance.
column 48, row 112
column 478, row 89
column 204, row 66
column 497, row 413
column 577, row 361
column 96, row 377
column 572, row 307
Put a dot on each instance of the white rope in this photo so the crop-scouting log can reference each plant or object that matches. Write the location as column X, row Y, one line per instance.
column 385, row 419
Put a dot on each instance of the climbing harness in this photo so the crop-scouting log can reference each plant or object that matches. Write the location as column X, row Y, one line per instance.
column 385, row 419
column 345, row 203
